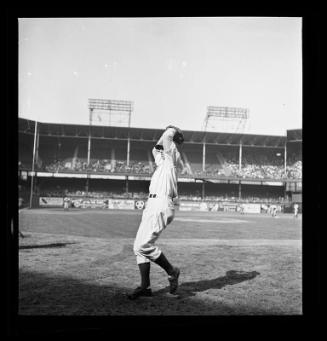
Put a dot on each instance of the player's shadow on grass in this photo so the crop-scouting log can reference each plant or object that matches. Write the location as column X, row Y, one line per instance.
column 44, row 246
column 57, row 295
column 231, row 277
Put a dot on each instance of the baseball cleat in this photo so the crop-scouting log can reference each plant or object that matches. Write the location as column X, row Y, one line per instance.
column 138, row 292
column 173, row 281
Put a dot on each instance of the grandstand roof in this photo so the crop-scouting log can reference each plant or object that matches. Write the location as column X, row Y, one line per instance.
column 151, row 135
column 294, row 135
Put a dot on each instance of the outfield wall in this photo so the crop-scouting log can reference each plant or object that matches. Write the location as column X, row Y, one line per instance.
column 183, row 205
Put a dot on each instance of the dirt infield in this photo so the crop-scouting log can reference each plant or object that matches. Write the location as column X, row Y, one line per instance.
column 82, row 263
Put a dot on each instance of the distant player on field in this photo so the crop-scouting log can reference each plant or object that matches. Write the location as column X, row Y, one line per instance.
column 159, row 212
column 66, row 204
column 296, row 209
column 273, row 210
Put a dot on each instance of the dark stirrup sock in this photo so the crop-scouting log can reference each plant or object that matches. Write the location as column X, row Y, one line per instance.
column 145, row 274
column 163, row 262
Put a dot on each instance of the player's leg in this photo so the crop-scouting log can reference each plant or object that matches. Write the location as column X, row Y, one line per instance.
column 173, row 272
column 144, row 290
column 145, row 274
column 153, row 222
column 143, row 263
column 163, row 262
column 142, row 247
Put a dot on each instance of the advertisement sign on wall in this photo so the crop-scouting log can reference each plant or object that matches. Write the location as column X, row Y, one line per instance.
column 214, row 207
column 139, row 204
column 51, row 201
column 192, row 206
column 252, row 208
column 121, row 204
column 89, row 203
column 228, row 207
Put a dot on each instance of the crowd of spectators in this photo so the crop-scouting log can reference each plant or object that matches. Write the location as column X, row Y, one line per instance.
column 231, row 197
column 253, row 166
column 108, row 194
column 260, row 167
column 94, row 194
column 295, row 170
column 144, row 195
column 102, row 166
column 256, row 166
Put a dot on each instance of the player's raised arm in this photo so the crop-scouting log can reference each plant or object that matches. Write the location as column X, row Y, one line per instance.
column 167, row 138
column 172, row 134
column 179, row 162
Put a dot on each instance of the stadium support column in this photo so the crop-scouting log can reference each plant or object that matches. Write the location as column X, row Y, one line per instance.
column 128, row 150
column 285, row 159
column 128, row 138
column 126, row 184
column 240, row 158
column 33, row 165
column 87, row 184
column 89, row 139
column 204, row 157
column 285, row 191
column 37, row 148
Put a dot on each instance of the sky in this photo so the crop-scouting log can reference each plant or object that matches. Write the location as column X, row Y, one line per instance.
column 172, row 69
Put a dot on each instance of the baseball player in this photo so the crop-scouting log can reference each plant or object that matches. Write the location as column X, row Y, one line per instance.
column 273, row 211
column 159, row 212
column 296, row 209
column 66, row 203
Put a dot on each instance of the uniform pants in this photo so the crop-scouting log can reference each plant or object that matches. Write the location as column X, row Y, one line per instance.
column 159, row 212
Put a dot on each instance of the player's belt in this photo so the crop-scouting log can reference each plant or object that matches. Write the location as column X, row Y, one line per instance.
column 158, row 196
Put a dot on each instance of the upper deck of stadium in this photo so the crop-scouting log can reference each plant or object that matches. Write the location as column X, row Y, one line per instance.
column 152, row 135
column 68, row 147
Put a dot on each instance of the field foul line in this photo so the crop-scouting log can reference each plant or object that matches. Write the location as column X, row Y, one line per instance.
column 79, row 212
column 180, row 241
column 234, row 242
column 223, row 221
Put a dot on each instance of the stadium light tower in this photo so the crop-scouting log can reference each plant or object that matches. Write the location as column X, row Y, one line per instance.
column 33, row 162
column 226, row 119
column 109, row 113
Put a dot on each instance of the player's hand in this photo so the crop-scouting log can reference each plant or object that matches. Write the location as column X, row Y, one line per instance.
column 176, row 201
column 171, row 126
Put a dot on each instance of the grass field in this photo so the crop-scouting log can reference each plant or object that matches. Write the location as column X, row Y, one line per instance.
column 81, row 262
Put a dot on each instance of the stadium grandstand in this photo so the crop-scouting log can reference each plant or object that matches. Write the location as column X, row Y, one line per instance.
column 217, row 166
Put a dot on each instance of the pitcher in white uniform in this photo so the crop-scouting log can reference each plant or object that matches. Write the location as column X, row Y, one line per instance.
column 159, row 212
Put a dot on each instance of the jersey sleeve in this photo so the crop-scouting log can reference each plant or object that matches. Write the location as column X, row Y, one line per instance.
column 167, row 138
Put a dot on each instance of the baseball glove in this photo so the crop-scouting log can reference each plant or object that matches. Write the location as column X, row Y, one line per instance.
column 178, row 137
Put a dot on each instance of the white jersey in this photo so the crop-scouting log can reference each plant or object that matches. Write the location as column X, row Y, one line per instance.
column 164, row 179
